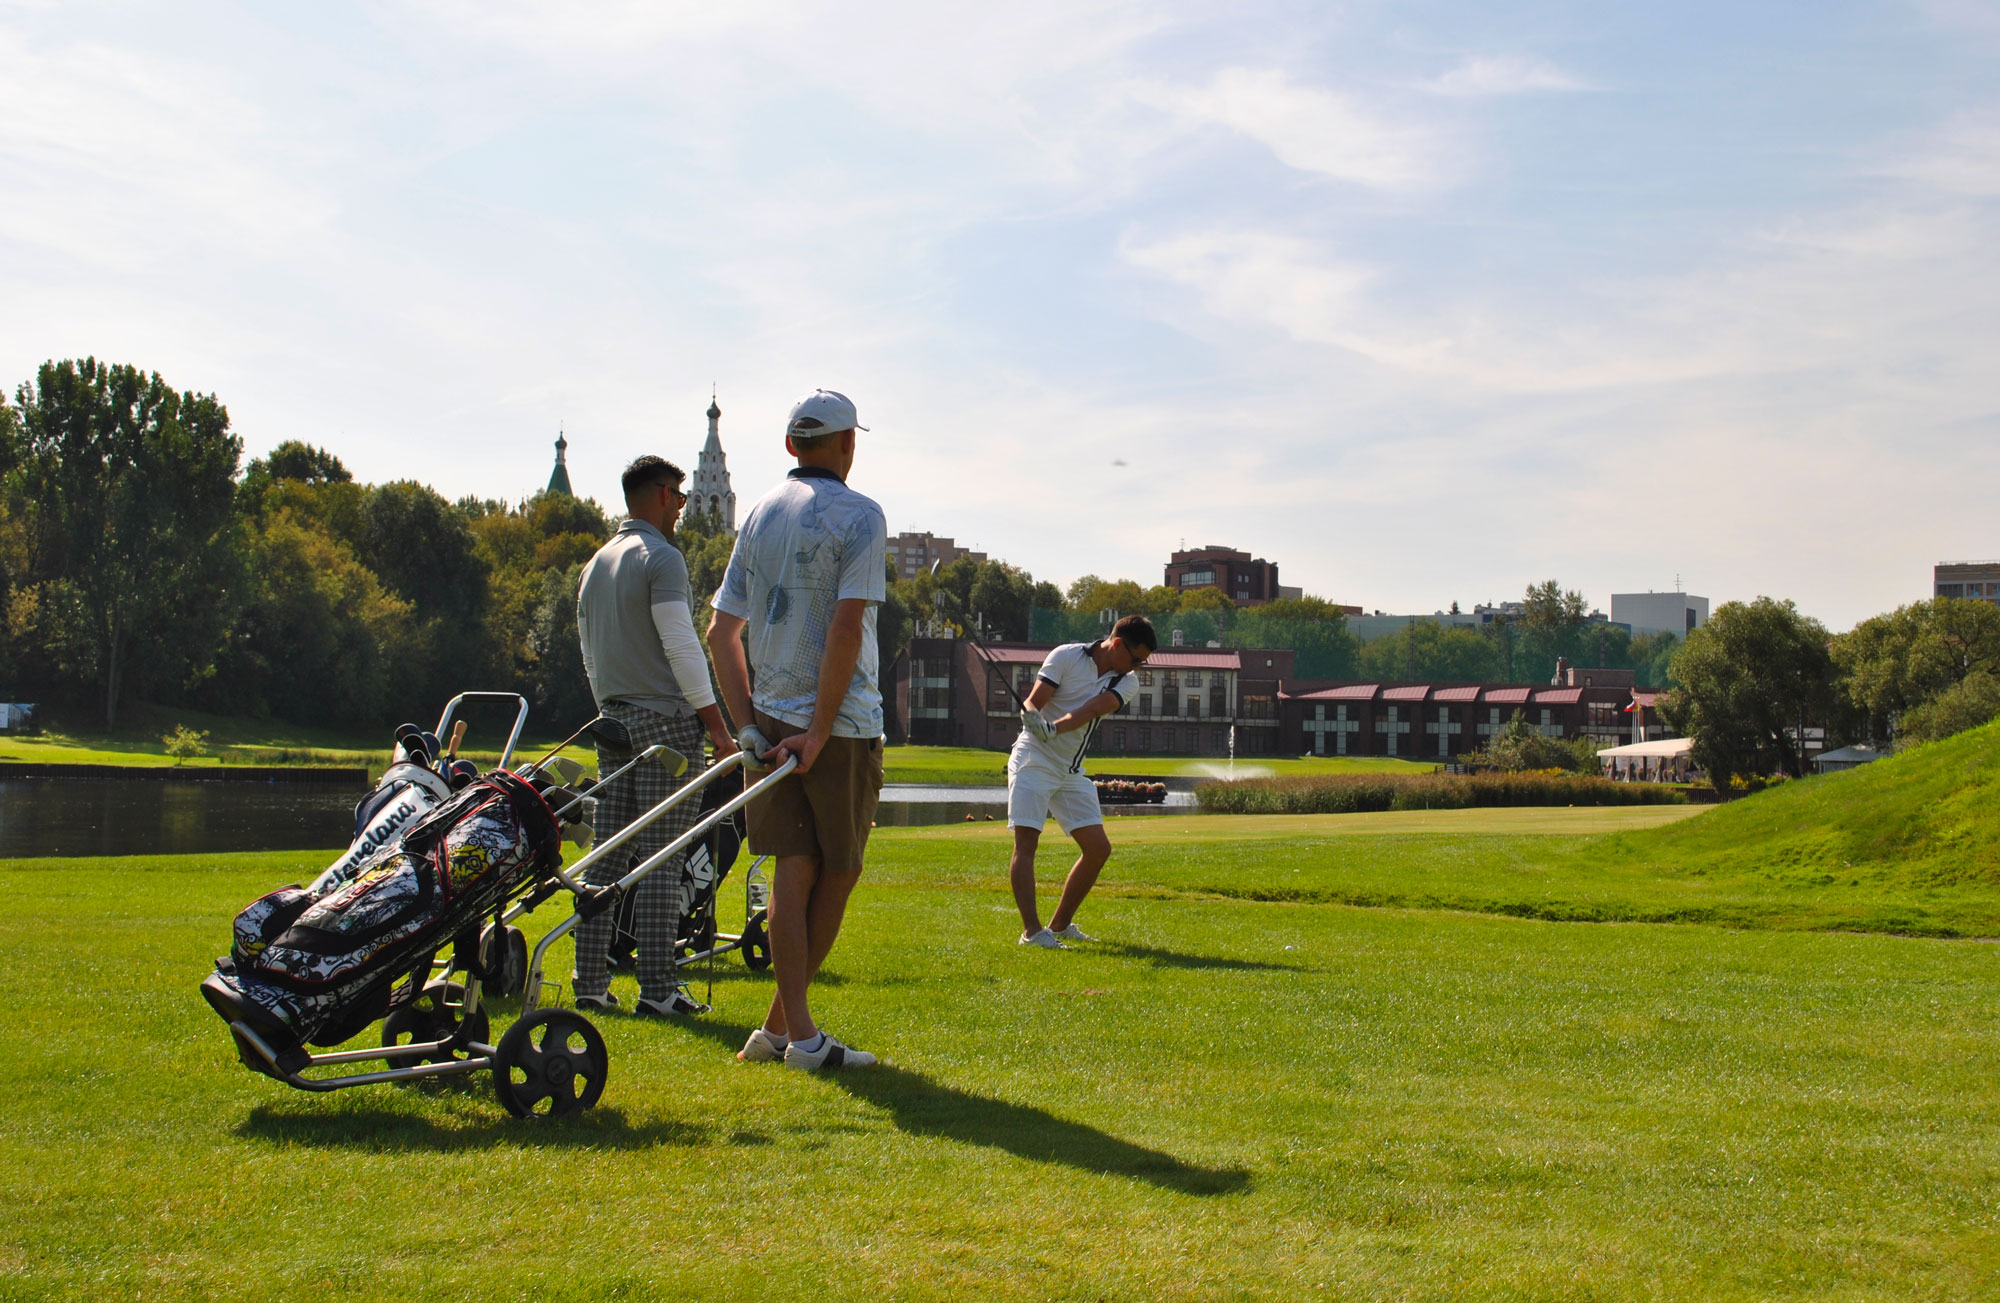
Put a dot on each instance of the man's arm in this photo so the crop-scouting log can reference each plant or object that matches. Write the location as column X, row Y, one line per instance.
column 732, row 667
column 690, row 669
column 836, row 673
column 1102, row 704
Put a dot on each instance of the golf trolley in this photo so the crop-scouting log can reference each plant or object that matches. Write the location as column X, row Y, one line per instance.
column 490, row 851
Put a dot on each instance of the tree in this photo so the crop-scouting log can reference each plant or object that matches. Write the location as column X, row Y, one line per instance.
column 132, row 487
column 1970, row 702
column 1429, row 650
column 1552, row 628
column 1752, row 680
column 1316, row 634
column 424, row 551
column 1093, row 594
column 1206, row 599
column 1894, row 663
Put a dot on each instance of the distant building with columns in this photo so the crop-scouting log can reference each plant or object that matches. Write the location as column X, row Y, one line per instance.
column 709, row 489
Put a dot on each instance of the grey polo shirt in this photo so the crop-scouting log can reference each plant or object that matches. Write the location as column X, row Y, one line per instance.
column 622, row 654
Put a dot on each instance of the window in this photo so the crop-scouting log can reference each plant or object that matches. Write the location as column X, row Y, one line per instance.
column 1218, row 696
column 1193, row 578
column 1951, row 590
column 1256, row 707
column 1145, row 678
column 1172, row 680
column 1145, row 739
column 1193, row 741
column 1118, row 738
column 1194, row 678
column 1145, row 703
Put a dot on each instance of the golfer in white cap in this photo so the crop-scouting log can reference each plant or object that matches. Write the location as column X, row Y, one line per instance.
column 804, row 581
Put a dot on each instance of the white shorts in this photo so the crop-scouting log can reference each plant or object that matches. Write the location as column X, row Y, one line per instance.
column 1035, row 793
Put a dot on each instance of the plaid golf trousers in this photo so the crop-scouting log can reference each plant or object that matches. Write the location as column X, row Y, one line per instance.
column 658, row 900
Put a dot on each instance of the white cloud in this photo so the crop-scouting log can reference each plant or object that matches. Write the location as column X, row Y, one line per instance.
column 1961, row 157
column 1308, row 128
column 1504, row 74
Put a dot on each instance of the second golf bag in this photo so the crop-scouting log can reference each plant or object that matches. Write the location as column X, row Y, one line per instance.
column 318, row 966
column 703, row 867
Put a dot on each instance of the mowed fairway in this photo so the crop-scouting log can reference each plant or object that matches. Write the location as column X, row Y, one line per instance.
column 1247, row 1089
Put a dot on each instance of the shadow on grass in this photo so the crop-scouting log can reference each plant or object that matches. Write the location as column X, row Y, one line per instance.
column 387, row 1130
column 922, row 1107
column 1159, row 958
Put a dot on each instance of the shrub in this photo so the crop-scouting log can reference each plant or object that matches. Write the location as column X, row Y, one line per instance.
column 1361, row 793
column 184, row 743
column 1521, row 746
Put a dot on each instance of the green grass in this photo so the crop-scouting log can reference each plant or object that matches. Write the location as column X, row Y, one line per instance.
column 970, row 766
column 1245, row 1091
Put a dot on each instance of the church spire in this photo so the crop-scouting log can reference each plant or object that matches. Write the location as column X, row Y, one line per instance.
column 559, row 477
column 709, row 490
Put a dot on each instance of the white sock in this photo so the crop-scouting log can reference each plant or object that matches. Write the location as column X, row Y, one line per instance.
column 777, row 1040
column 814, row 1045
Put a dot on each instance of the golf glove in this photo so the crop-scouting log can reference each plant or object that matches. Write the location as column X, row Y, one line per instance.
column 751, row 741
column 1038, row 724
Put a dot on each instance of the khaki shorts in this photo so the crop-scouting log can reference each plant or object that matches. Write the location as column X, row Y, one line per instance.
column 826, row 812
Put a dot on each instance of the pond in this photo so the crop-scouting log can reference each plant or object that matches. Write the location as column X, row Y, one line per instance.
column 116, row 816
column 119, row 816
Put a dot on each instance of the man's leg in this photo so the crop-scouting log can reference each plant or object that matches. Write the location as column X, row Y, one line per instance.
column 1096, row 849
column 1021, row 872
column 661, row 896
column 808, row 905
column 617, row 806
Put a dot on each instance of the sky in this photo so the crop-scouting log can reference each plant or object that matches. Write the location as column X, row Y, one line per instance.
column 1424, row 302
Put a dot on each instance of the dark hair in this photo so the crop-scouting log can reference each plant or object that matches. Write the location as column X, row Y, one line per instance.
column 650, row 470
column 1137, row 629
column 804, row 443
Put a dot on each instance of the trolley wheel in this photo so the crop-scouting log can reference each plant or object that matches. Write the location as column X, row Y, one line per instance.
column 504, row 954
column 430, row 1017
column 756, row 946
column 515, row 975
column 550, row 1064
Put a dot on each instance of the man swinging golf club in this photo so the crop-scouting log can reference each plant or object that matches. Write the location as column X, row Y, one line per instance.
column 1078, row 684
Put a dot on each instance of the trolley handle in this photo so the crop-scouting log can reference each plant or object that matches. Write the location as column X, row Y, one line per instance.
column 502, row 698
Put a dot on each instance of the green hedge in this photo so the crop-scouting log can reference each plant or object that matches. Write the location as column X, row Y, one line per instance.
column 1357, row 793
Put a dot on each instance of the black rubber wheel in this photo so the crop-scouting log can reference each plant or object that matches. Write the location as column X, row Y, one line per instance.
column 431, row 1017
column 550, row 1064
column 515, row 974
column 756, row 947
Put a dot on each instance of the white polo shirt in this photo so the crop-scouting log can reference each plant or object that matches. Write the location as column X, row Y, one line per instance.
column 1074, row 675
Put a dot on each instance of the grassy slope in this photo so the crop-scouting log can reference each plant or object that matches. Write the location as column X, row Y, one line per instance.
column 1924, row 819
column 1226, row 1098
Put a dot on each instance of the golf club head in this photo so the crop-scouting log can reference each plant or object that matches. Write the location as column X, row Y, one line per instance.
column 462, row 772
column 672, row 761
column 410, row 745
column 571, row 771
column 432, row 746
column 609, row 734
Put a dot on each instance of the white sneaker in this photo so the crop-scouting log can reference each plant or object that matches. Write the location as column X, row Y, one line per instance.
column 601, row 1002
column 678, row 1001
column 762, row 1047
column 831, row 1054
column 1075, row 933
column 1046, row 939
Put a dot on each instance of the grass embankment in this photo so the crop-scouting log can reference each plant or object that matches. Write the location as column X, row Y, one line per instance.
column 1239, row 1093
column 138, row 743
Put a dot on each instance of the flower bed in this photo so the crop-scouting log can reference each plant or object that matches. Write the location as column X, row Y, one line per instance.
column 1120, row 791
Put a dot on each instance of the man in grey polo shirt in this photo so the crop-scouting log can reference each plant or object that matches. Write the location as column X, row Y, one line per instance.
column 647, row 672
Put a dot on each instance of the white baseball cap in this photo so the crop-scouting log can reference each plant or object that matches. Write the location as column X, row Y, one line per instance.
column 822, row 412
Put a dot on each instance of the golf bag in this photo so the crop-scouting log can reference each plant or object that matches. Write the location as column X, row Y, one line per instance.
column 319, row 965
column 705, row 865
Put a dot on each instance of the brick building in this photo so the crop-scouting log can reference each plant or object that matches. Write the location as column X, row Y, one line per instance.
column 914, row 553
column 1242, row 578
column 1187, row 700
column 1441, row 721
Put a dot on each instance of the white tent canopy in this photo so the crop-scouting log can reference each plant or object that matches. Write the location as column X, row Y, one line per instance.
column 1662, row 748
